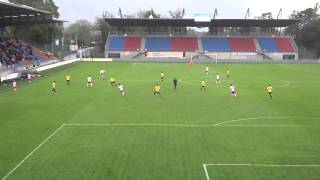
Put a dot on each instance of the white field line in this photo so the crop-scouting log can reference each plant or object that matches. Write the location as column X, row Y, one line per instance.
column 196, row 125
column 267, row 165
column 258, row 118
column 32, row 152
column 206, row 171
column 258, row 165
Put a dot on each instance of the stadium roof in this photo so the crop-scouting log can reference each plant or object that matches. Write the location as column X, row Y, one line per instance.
column 192, row 23
column 13, row 15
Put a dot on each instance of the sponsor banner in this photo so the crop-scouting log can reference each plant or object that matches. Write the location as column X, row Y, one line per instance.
column 165, row 54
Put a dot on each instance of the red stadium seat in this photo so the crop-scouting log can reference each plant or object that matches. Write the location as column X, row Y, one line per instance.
column 186, row 44
column 242, row 44
column 132, row 44
column 284, row 44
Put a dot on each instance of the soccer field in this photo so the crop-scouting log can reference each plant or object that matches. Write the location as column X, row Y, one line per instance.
column 184, row 134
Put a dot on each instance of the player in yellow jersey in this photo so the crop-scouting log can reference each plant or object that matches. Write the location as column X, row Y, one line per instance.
column 54, row 86
column 162, row 77
column 112, row 81
column 228, row 73
column 68, row 79
column 203, row 85
column 269, row 89
column 157, row 89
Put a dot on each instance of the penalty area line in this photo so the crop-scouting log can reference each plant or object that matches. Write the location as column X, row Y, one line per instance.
column 33, row 151
column 258, row 165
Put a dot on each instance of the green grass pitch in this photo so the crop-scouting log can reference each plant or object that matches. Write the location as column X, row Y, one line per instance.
column 184, row 134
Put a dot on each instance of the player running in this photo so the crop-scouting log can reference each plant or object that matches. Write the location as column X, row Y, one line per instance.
column 218, row 78
column 121, row 89
column 232, row 89
column 175, row 83
column 203, row 85
column 102, row 73
column 112, row 81
column 228, row 73
column 157, row 89
column 162, row 77
column 29, row 77
column 89, row 81
column 54, row 87
column 68, row 79
column 269, row 89
column 14, row 86
column 207, row 70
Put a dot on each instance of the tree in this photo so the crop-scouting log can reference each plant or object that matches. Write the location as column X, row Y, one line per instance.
column 267, row 15
column 307, row 31
column 40, row 34
column 83, row 30
column 177, row 14
column 104, row 29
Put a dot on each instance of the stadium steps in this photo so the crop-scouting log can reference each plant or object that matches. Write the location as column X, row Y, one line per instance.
column 256, row 42
column 264, row 56
column 143, row 44
column 200, row 45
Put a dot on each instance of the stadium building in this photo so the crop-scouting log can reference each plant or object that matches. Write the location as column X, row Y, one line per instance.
column 226, row 39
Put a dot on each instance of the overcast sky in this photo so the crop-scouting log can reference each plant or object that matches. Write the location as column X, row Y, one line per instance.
column 72, row 10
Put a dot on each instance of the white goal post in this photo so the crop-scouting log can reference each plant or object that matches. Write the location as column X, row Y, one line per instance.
column 213, row 56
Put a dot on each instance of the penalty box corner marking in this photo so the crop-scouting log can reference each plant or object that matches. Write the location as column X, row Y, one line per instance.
column 257, row 165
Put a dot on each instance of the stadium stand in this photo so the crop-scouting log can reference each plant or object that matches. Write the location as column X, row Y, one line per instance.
column 158, row 44
column 132, row 43
column 14, row 51
column 284, row 44
column 267, row 44
column 184, row 44
column 116, row 43
column 215, row 44
column 242, row 44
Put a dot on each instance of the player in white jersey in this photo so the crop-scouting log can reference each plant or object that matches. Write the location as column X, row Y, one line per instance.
column 121, row 89
column 233, row 90
column 14, row 86
column 89, row 81
column 207, row 70
column 218, row 78
column 102, row 73
column 29, row 77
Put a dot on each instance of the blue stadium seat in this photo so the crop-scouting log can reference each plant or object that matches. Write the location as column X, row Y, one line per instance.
column 215, row 44
column 268, row 44
column 158, row 44
column 116, row 43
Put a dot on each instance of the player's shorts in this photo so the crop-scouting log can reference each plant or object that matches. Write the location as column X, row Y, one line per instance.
column 112, row 82
column 203, row 86
column 68, row 80
column 158, row 92
column 54, row 89
column 270, row 92
column 233, row 92
column 162, row 77
column 89, row 82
